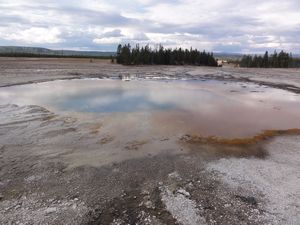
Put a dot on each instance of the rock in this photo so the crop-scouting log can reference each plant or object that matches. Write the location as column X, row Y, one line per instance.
column 250, row 200
column 123, row 195
column 144, row 192
column 227, row 205
column 175, row 175
column 184, row 192
column 255, row 210
column 1, row 196
column 74, row 206
column 18, row 206
column 50, row 210
column 148, row 204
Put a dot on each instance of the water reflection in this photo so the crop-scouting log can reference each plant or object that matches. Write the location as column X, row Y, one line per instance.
column 206, row 107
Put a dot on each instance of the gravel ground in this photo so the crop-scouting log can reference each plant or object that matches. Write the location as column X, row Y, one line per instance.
column 277, row 178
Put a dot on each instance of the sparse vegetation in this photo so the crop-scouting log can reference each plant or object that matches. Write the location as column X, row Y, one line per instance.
column 162, row 56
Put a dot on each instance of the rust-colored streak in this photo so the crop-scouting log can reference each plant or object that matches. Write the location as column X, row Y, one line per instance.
column 239, row 141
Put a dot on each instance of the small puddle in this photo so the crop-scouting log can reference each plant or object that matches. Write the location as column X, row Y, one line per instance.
column 204, row 108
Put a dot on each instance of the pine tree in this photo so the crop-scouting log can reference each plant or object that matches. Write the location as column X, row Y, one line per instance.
column 276, row 60
column 161, row 56
column 266, row 60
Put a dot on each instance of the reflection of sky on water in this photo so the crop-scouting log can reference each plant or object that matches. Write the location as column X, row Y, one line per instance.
column 84, row 96
column 109, row 96
column 210, row 106
column 111, row 101
column 117, row 96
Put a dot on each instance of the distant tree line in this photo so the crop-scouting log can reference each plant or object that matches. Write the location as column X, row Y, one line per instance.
column 161, row 56
column 275, row 60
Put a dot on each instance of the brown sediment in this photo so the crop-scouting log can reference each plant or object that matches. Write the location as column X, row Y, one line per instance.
column 238, row 147
column 135, row 145
column 96, row 129
column 239, row 141
column 48, row 118
column 58, row 132
column 107, row 139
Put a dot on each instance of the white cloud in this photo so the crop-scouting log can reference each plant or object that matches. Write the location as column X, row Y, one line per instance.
column 117, row 36
column 249, row 25
column 184, row 40
column 36, row 35
column 108, row 40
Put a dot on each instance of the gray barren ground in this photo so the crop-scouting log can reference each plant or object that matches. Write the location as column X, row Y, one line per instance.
column 57, row 169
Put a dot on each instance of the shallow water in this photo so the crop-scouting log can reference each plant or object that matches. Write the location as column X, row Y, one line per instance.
column 205, row 108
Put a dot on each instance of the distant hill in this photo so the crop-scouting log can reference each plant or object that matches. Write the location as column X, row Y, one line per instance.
column 228, row 56
column 296, row 56
column 20, row 50
column 37, row 51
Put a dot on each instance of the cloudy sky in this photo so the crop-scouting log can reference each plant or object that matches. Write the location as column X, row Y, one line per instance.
column 247, row 26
